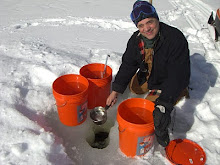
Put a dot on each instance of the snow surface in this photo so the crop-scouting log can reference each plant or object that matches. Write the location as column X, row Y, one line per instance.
column 42, row 40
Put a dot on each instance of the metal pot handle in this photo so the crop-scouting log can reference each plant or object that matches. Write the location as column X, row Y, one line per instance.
column 107, row 107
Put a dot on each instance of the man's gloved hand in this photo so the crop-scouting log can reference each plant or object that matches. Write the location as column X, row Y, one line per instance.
column 142, row 77
column 162, row 119
column 142, row 73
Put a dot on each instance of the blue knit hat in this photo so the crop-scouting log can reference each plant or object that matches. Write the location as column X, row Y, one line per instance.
column 142, row 10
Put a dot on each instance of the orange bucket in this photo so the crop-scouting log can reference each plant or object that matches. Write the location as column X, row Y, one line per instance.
column 99, row 84
column 136, row 126
column 71, row 92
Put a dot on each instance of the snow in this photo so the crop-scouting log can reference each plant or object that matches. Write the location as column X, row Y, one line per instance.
column 42, row 40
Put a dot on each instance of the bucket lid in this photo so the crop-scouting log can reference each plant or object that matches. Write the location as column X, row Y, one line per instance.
column 184, row 151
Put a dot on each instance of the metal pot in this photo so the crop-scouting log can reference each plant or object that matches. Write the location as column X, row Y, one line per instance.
column 99, row 114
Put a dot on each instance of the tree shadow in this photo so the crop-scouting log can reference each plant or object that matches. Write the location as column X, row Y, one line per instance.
column 203, row 76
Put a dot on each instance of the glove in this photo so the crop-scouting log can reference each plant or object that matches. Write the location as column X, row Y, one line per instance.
column 142, row 73
column 141, row 77
column 162, row 119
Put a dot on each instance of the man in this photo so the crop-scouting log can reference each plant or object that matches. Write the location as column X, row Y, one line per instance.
column 156, row 61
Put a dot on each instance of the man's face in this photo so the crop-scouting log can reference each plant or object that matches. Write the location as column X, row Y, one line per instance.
column 148, row 27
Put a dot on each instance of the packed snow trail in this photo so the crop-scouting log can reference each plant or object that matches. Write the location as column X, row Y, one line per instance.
column 99, row 23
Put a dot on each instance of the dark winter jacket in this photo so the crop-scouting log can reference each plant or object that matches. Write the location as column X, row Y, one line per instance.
column 171, row 64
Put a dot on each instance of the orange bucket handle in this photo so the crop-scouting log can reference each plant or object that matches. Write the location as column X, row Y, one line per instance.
column 122, row 130
column 61, row 105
